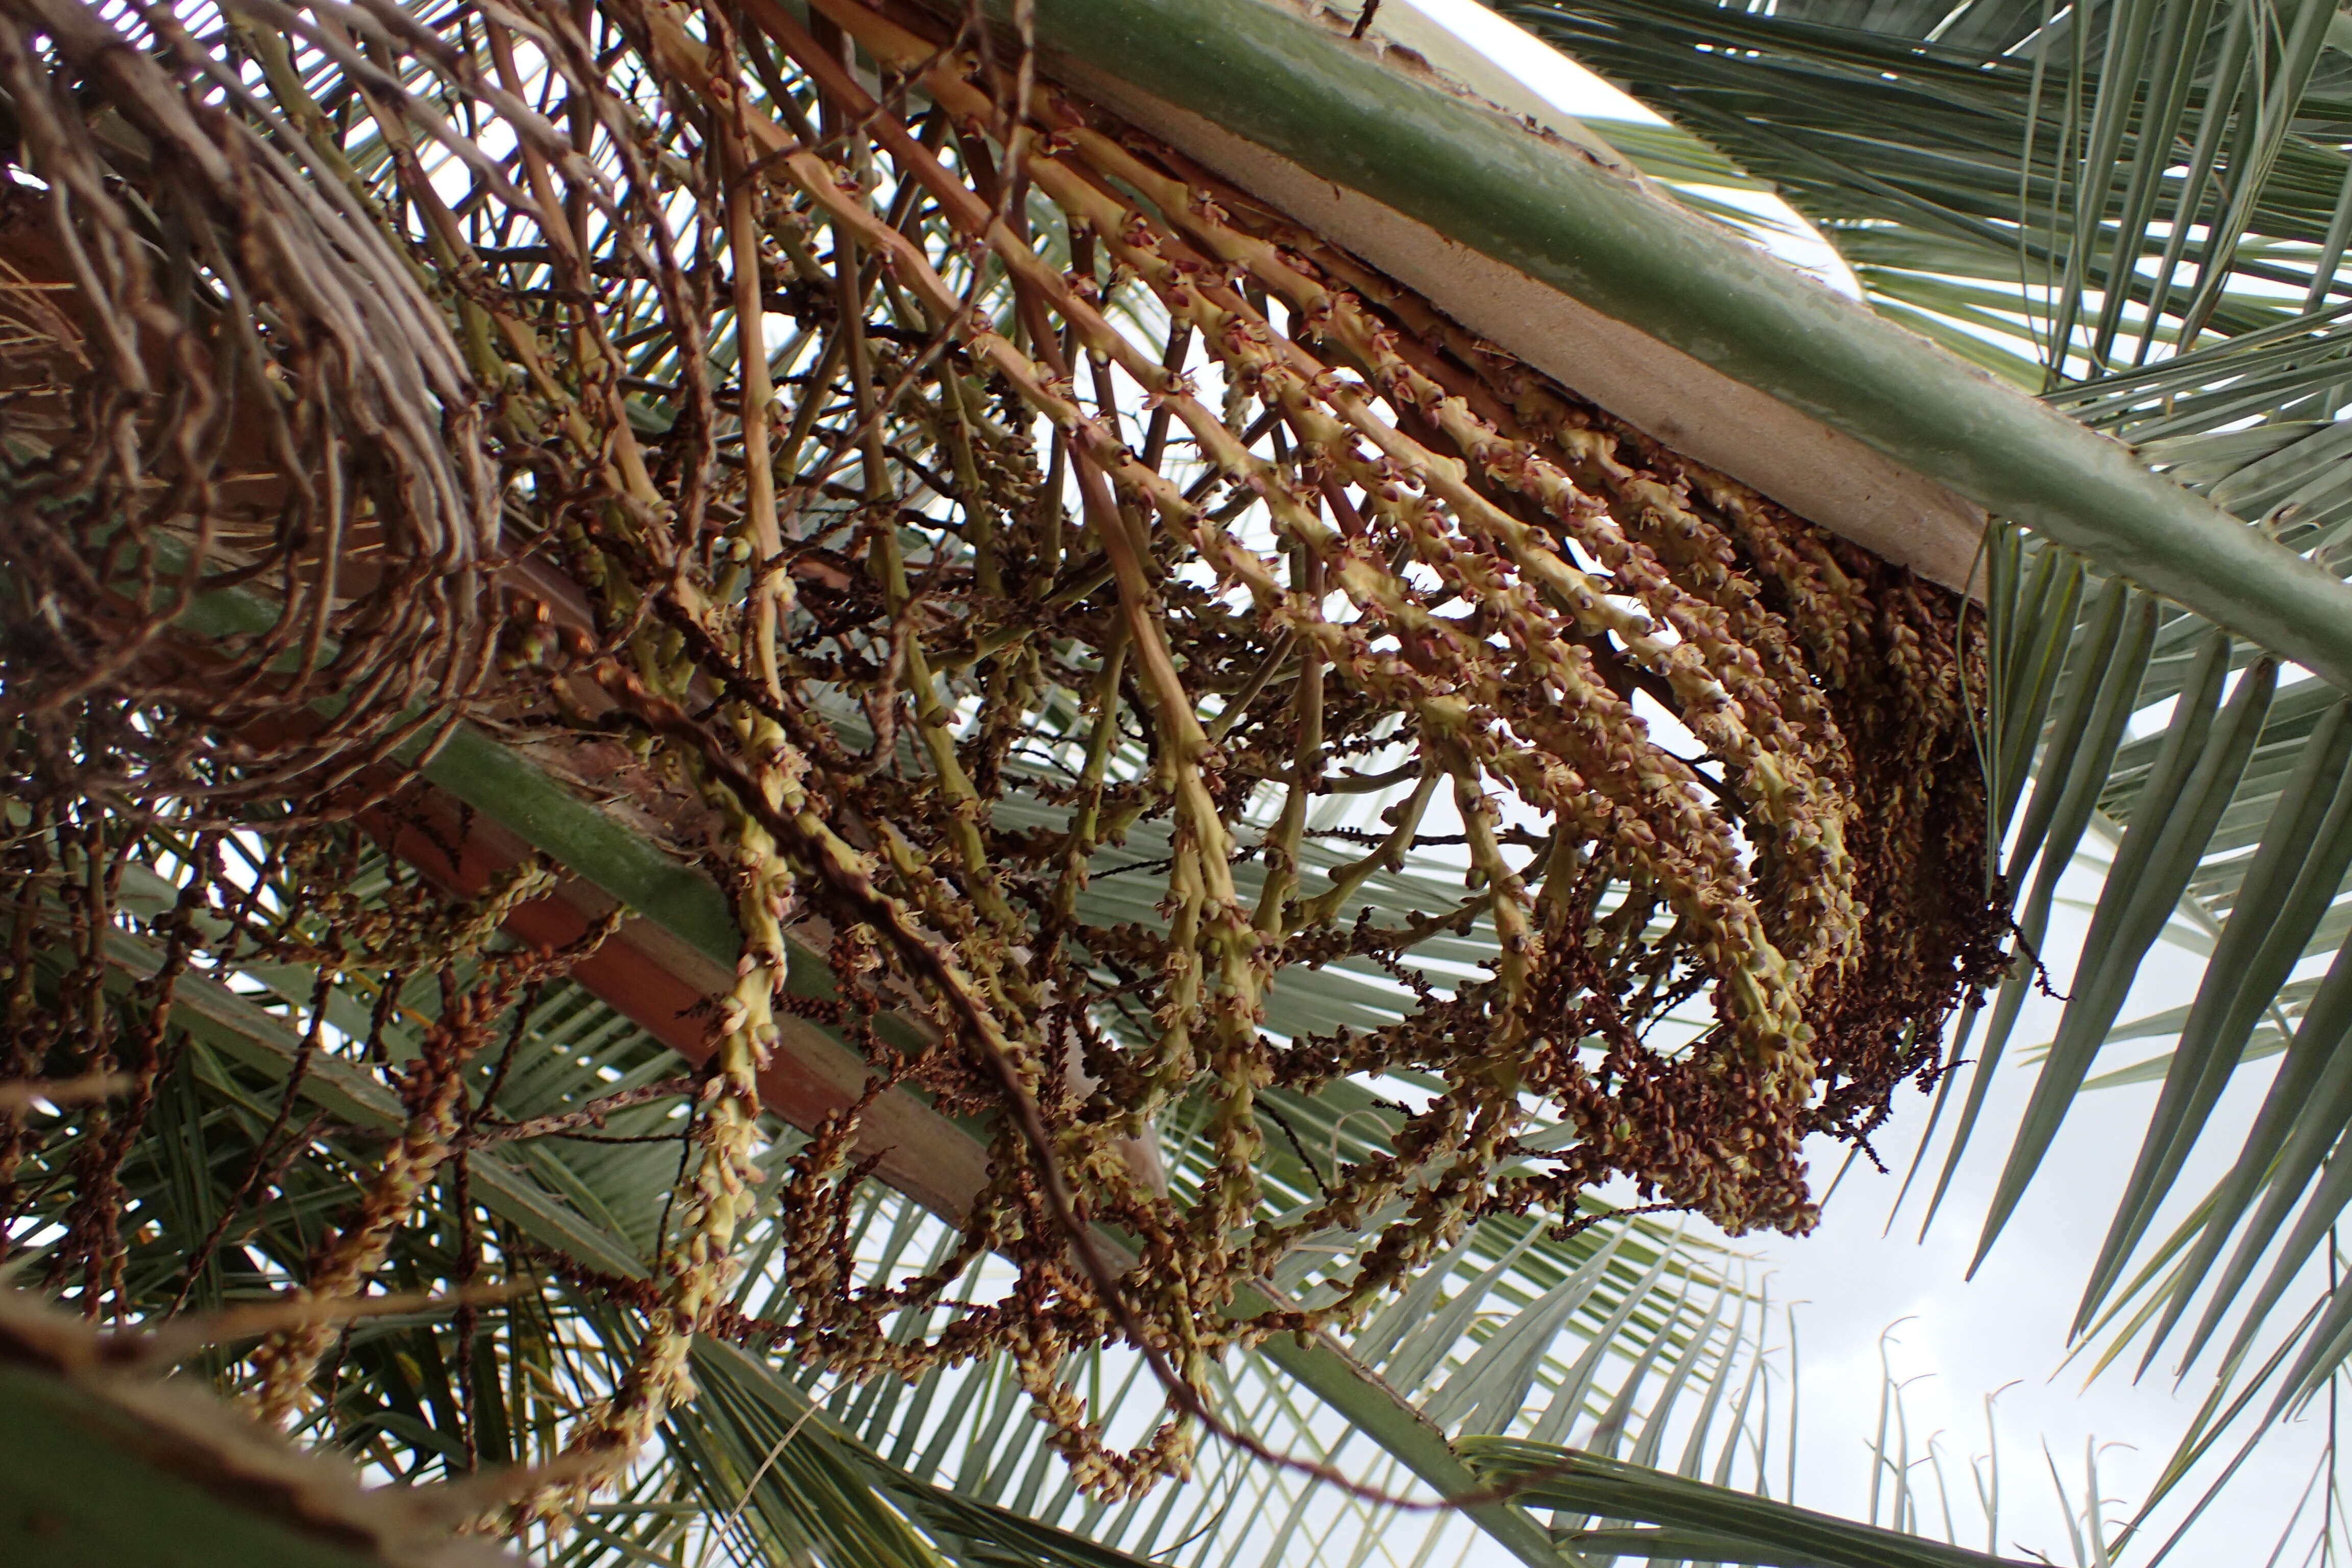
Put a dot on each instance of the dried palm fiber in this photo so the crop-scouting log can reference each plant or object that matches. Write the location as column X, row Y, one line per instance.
column 256, row 386
column 1083, row 523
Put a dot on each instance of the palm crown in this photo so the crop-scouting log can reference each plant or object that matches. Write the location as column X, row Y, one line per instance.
column 1124, row 768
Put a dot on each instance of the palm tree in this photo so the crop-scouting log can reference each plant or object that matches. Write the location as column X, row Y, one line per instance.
column 1124, row 767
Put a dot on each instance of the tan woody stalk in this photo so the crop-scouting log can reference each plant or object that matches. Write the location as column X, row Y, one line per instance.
column 1707, row 651
column 1365, row 580
column 1227, row 936
column 770, row 588
column 1755, row 991
column 1275, row 911
column 1760, row 976
column 1595, row 446
column 1697, row 665
column 699, row 1266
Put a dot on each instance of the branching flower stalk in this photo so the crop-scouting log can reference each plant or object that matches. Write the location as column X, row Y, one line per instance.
column 1085, row 604
column 432, row 1090
column 701, row 1266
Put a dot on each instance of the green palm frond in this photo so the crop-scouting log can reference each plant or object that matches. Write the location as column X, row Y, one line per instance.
column 740, row 1435
column 2009, row 173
